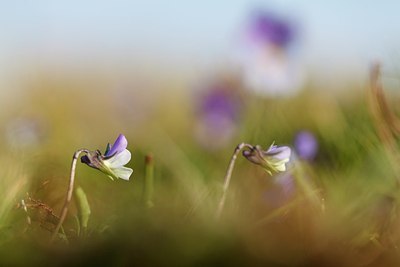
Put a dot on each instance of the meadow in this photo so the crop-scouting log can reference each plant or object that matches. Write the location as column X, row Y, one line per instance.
column 336, row 207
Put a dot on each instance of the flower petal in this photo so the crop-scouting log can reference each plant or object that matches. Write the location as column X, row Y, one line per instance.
column 273, row 159
column 281, row 167
column 306, row 145
column 123, row 173
column 119, row 159
column 280, row 152
column 119, row 145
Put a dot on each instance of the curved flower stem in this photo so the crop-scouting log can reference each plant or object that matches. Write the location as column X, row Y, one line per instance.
column 69, row 192
column 228, row 176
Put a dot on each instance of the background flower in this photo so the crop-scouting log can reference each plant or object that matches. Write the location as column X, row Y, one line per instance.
column 269, row 55
column 306, row 145
column 218, row 114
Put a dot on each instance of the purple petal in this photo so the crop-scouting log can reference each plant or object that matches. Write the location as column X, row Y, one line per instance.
column 306, row 145
column 119, row 145
column 279, row 152
column 267, row 27
column 220, row 101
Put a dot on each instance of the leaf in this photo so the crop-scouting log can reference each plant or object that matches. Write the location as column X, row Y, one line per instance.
column 83, row 207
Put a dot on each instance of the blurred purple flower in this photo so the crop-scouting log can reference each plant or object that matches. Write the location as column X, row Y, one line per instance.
column 268, row 28
column 282, row 190
column 219, row 101
column 286, row 182
column 306, row 145
column 218, row 115
column 269, row 59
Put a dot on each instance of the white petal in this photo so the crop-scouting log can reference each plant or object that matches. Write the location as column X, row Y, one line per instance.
column 119, row 159
column 281, row 167
column 123, row 173
column 277, row 161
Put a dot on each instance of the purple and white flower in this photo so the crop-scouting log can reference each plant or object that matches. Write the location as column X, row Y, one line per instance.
column 273, row 160
column 113, row 161
column 269, row 55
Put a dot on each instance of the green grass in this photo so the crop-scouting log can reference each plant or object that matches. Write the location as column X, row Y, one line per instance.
column 344, row 211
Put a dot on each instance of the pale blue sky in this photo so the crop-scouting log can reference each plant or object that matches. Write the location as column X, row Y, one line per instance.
column 335, row 33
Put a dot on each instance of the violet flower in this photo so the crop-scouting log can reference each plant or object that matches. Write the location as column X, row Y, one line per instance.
column 269, row 56
column 218, row 115
column 268, row 28
column 113, row 161
column 273, row 160
column 306, row 145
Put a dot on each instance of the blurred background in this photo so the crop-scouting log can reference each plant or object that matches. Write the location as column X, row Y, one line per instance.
column 128, row 56
column 187, row 81
column 121, row 40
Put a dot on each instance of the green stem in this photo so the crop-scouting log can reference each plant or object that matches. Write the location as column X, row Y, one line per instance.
column 69, row 193
column 228, row 176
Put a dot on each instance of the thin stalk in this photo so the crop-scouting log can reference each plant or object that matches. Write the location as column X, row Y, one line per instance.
column 148, row 185
column 385, row 120
column 69, row 192
column 228, row 176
